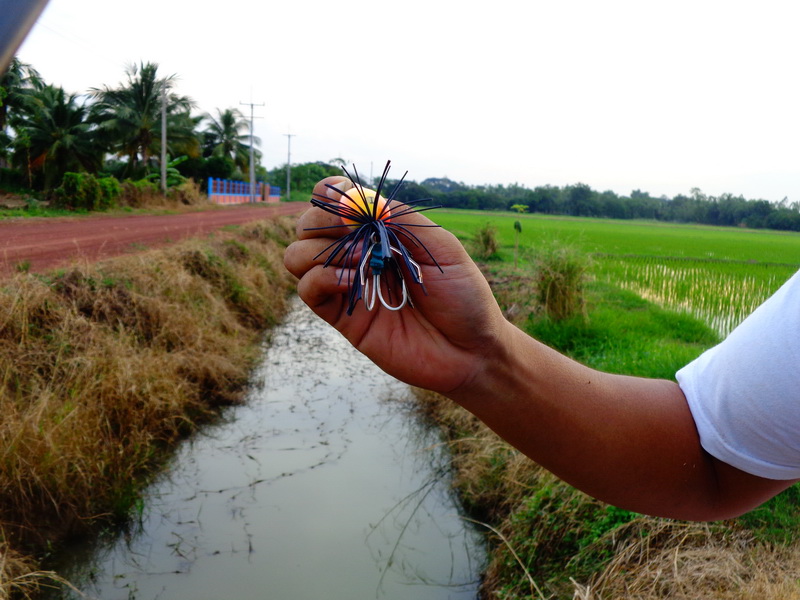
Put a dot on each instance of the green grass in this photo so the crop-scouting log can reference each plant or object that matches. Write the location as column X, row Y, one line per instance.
column 38, row 211
column 625, row 334
column 619, row 238
column 718, row 274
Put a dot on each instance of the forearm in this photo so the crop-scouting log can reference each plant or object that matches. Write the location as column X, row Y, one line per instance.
column 628, row 441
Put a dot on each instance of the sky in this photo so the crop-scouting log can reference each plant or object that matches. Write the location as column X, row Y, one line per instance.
column 620, row 95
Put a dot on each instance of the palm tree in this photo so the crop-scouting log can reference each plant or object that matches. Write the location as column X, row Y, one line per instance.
column 129, row 118
column 55, row 136
column 17, row 84
column 228, row 137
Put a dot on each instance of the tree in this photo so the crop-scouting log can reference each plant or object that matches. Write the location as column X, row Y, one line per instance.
column 304, row 176
column 17, row 84
column 55, row 136
column 580, row 200
column 129, row 118
column 228, row 137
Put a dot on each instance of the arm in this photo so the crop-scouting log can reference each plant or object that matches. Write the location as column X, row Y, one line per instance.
column 628, row 441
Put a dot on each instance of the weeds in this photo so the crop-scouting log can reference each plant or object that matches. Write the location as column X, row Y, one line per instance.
column 551, row 541
column 104, row 367
column 485, row 242
column 561, row 275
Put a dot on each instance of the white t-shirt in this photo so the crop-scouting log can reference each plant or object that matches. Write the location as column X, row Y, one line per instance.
column 744, row 393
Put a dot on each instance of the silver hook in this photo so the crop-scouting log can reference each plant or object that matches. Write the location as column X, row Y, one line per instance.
column 368, row 302
column 369, row 299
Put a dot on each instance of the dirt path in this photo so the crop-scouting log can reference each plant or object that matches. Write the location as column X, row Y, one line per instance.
column 47, row 243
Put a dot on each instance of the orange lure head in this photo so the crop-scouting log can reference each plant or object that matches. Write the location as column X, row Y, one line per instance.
column 362, row 201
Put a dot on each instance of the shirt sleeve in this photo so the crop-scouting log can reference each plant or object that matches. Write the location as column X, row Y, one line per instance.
column 744, row 393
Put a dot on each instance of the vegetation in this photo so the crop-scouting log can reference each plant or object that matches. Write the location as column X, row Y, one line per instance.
column 547, row 540
column 581, row 201
column 104, row 367
column 115, row 131
column 485, row 242
column 46, row 132
column 716, row 274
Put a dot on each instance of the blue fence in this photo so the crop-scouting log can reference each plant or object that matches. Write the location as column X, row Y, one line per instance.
column 227, row 191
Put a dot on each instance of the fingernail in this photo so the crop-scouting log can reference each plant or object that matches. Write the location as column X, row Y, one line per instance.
column 342, row 186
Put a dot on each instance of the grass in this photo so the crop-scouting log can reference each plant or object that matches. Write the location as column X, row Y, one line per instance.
column 717, row 274
column 134, row 199
column 619, row 238
column 104, row 367
column 626, row 334
column 548, row 540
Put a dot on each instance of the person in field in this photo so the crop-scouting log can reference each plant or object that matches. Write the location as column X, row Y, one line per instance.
column 719, row 442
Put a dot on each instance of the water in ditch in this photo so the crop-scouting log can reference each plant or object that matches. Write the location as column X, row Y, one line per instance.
column 323, row 485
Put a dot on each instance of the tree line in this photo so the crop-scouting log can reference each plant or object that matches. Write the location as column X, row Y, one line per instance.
column 46, row 132
column 582, row 201
column 577, row 200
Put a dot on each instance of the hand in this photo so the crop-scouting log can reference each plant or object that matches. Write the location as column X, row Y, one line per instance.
column 441, row 343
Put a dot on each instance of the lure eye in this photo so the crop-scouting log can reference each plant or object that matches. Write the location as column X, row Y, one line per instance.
column 362, row 200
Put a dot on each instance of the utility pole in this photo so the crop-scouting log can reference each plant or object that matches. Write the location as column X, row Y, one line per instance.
column 164, row 138
column 289, row 137
column 252, row 152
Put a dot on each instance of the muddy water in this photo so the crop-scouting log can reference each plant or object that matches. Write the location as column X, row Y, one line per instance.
column 323, row 485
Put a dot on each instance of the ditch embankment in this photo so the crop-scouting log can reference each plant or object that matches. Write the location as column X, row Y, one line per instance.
column 105, row 366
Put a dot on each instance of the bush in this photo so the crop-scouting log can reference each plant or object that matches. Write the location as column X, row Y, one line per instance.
column 78, row 191
column 137, row 194
column 187, row 193
column 12, row 178
column 560, row 278
column 110, row 192
column 486, row 244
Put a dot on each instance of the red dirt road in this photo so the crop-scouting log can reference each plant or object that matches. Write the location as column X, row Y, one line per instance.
column 48, row 243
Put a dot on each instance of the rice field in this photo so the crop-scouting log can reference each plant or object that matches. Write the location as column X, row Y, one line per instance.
column 718, row 274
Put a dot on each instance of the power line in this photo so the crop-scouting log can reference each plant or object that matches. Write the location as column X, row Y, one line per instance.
column 252, row 152
column 289, row 137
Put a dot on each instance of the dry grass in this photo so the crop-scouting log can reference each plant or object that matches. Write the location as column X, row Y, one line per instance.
column 643, row 558
column 103, row 367
column 148, row 195
column 693, row 561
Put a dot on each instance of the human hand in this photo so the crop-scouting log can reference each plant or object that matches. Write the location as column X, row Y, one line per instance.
column 441, row 343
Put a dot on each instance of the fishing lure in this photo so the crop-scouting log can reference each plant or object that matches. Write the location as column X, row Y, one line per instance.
column 374, row 251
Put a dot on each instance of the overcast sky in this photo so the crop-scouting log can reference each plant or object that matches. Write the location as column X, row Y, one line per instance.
column 617, row 94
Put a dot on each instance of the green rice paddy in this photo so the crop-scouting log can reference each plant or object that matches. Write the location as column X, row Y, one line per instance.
column 718, row 274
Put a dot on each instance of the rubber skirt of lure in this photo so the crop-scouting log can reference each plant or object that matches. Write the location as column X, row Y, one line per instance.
column 374, row 247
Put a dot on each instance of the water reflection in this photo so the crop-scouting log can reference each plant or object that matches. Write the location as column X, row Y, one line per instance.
column 322, row 486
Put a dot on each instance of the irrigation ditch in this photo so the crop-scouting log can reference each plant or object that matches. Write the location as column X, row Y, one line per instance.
column 151, row 436
column 323, row 484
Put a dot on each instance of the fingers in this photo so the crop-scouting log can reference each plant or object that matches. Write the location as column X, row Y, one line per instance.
column 322, row 286
column 300, row 257
column 313, row 222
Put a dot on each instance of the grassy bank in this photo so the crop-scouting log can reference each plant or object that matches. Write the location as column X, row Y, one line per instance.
column 548, row 540
column 104, row 367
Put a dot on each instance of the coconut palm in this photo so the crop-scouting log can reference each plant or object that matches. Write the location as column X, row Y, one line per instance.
column 228, row 136
column 55, row 136
column 17, row 84
column 129, row 118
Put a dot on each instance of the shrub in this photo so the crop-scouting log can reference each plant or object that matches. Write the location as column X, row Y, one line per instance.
column 486, row 244
column 137, row 194
column 78, row 191
column 110, row 192
column 12, row 178
column 187, row 193
column 561, row 274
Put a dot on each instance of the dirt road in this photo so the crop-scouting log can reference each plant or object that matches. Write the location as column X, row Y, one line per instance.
column 44, row 244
